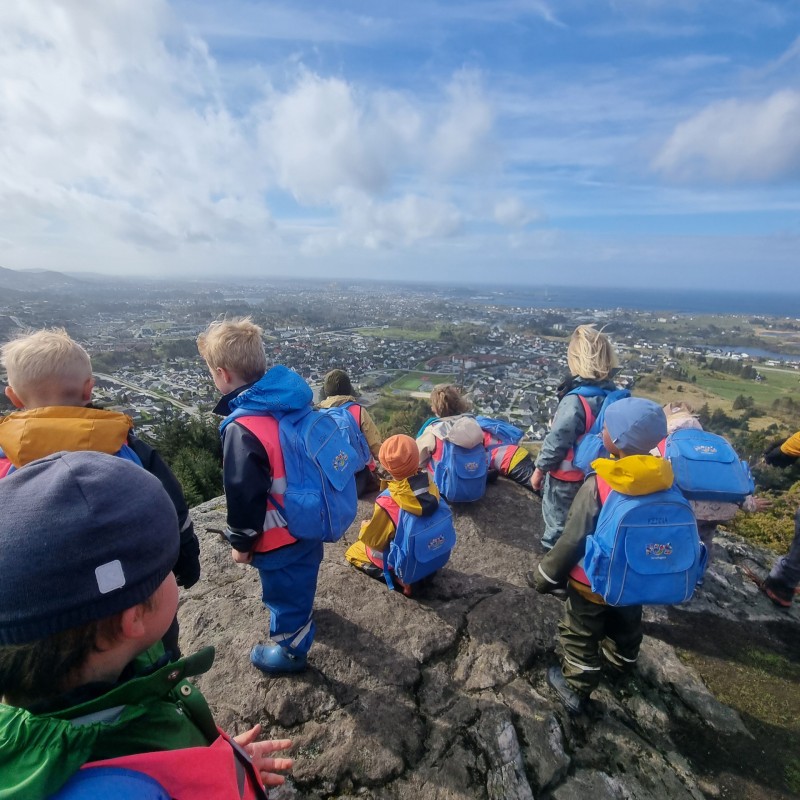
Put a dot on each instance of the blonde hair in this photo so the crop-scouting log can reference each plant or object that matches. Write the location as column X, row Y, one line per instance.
column 235, row 345
column 447, row 401
column 46, row 363
column 590, row 354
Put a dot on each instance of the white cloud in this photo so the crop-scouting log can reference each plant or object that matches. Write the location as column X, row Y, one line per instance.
column 461, row 136
column 734, row 140
column 513, row 213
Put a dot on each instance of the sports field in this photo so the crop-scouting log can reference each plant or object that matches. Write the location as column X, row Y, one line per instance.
column 419, row 381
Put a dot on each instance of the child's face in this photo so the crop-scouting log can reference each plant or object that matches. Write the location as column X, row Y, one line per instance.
column 609, row 444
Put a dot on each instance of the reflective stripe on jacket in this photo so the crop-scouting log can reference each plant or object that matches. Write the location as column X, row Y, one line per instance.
column 275, row 533
column 566, row 470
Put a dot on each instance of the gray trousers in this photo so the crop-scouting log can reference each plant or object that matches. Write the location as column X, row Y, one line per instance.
column 786, row 570
column 557, row 497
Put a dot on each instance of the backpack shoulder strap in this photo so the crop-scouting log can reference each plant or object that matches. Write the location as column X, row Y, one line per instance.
column 603, row 489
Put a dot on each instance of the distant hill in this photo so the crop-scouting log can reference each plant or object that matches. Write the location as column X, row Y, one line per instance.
column 35, row 280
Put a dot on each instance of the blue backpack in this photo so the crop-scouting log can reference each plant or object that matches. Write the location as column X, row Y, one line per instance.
column 349, row 427
column 320, row 500
column 119, row 783
column 421, row 545
column 706, row 467
column 590, row 445
column 505, row 432
column 460, row 473
column 645, row 549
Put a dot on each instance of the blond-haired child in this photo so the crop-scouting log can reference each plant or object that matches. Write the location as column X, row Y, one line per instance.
column 50, row 382
column 592, row 362
column 254, row 477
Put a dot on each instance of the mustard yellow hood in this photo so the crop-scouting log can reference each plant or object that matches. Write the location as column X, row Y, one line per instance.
column 635, row 475
column 28, row 435
column 415, row 501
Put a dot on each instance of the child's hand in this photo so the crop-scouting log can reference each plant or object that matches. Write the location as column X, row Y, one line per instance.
column 259, row 753
column 537, row 480
column 241, row 558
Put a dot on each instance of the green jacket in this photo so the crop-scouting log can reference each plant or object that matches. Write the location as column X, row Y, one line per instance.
column 156, row 711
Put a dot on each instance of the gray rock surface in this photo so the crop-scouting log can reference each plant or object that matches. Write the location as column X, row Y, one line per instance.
column 443, row 696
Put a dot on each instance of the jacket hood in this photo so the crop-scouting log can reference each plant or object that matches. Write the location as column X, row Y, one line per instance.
column 336, row 400
column 635, row 475
column 462, row 430
column 281, row 389
column 28, row 435
column 418, row 494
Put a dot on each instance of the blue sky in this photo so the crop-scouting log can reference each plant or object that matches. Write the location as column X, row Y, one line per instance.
column 582, row 142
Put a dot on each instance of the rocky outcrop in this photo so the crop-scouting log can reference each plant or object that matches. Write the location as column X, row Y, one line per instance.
column 443, row 696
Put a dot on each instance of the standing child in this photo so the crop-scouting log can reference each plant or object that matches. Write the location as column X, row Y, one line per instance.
column 589, row 627
column 254, row 477
column 87, row 544
column 592, row 361
column 50, row 380
column 410, row 491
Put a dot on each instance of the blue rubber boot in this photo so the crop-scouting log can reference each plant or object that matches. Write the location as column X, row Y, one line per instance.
column 276, row 660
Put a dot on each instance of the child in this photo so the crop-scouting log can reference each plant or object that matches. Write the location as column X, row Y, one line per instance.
column 87, row 542
column 589, row 627
column 591, row 361
column 254, row 477
column 781, row 583
column 50, row 377
column 509, row 460
column 410, row 489
column 338, row 391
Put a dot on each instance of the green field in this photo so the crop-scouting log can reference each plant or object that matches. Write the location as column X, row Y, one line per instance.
column 778, row 383
column 412, row 381
column 400, row 333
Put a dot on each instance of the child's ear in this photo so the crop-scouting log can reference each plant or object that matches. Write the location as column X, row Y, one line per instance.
column 132, row 622
column 14, row 397
column 87, row 390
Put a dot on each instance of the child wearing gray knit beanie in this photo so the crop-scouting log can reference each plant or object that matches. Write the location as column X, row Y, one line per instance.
column 87, row 546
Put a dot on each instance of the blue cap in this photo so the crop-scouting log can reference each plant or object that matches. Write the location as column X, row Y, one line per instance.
column 636, row 425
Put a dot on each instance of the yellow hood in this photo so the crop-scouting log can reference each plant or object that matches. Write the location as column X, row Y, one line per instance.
column 415, row 502
column 635, row 475
column 28, row 435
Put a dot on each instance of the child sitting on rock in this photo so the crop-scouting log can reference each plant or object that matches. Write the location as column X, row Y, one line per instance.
column 411, row 491
column 591, row 631
column 337, row 390
column 87, row 546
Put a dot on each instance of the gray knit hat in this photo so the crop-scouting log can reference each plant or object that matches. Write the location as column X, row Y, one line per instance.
column 83, row 536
